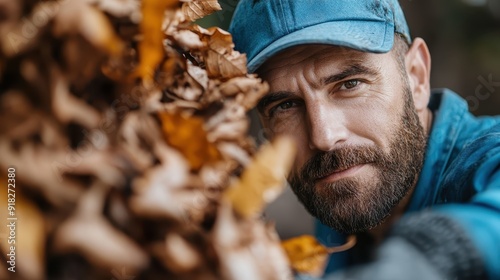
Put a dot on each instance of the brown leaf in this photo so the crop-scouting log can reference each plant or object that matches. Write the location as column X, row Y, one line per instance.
column 226, row 66
column 221, row 59
column 196, row 9
column 263, row 179
column 121, row 8
column 188, row 135
column 67, row 107
column 79, row 17
column 161, row 186
column 220, row 41
column 249, row 244
column 251, row 97
column 88, row 233
column 180, row 255
column 188, row 40
column 198, row 74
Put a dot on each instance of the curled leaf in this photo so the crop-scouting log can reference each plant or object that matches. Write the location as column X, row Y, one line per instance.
column 196, row 9
column 308, row 256
column 226, row 66
column 221, row 60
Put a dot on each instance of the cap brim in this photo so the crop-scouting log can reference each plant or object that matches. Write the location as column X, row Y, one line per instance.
column 369, row 36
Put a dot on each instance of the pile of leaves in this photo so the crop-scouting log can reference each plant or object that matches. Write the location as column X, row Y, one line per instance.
column 126, row 125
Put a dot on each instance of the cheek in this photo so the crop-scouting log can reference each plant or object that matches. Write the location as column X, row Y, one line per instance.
column 295, row 128
column 374, row 120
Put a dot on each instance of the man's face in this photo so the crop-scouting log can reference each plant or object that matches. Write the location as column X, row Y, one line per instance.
column 360, row 142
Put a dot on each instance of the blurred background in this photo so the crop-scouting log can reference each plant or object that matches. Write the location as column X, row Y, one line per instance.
column 464, row 41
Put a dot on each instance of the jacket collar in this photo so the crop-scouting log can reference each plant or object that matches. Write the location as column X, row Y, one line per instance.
column 448, row 110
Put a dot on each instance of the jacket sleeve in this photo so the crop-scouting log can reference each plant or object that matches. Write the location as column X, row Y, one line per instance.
column 477, row 168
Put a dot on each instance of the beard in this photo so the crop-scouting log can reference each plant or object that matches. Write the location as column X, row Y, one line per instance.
column 353, row 205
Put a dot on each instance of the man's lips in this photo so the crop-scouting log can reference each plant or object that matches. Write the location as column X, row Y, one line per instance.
column 336, row 175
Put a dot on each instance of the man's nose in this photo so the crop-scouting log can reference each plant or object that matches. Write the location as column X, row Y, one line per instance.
column 326, row 127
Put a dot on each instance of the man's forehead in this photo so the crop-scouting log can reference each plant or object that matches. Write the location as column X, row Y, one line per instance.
column 302, row 55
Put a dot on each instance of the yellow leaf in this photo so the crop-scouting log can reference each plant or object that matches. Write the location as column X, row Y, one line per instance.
column 28, row 235
column 308, row 256
column 188, row 135
column 197, row 9
column 151, row 50
column 263, row 179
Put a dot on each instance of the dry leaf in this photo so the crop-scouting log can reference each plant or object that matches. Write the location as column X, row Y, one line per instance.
column 18, row 36
column 196, row 9
column 146, row 162
column 79, row 17
column 248, row 249
column 198, row 74
column 188, row 40
column 221, row 60
column 87, row 232
column 263, row 179
column 180, row 255
column 188, row 135
column 29, row 227
column 151, row 50
column 220, row 41
column 67, row 107
column 226, row 66
column 121, row 8
column 308, row 256
column 161, row 184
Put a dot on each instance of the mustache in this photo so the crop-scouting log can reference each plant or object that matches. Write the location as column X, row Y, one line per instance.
column 323, row 164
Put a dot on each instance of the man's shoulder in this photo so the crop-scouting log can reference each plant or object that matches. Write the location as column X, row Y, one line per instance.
column 471, row 143
column 453, row 120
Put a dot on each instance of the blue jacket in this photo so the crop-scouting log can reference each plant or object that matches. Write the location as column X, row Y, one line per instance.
column 460, row 178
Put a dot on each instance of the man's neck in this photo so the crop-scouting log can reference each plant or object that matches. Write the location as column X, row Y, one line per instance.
column 379, row 232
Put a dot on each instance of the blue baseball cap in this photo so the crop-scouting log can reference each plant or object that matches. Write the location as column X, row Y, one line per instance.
column 262, row 28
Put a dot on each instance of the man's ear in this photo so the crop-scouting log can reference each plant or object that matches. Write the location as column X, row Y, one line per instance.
column 418, row 68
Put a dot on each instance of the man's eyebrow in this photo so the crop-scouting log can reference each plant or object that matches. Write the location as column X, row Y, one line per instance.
column 352, row 70
column 271, row 98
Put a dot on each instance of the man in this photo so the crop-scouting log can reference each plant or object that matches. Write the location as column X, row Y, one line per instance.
column 409, row 171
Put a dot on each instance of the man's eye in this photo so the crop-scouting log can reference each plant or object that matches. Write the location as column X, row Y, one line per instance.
column 285, row 105
column 282, row 107
column 350, row 84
